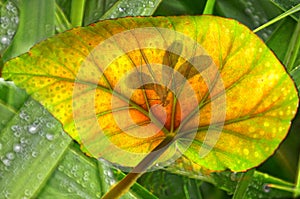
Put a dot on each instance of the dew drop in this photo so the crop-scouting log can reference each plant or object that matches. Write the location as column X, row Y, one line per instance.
column 14, row 10
column 22, row 114
column 41, row 133
column 34, row 154
column 53, row 155
column 15, row 20
column 233, row 176
column 256, row 17
column 60, row 167
column 4, row 40
column 266, row 188
column 151, row 4
column 6, row 194
column 17, row 134
column 10, row 156
column 32, row 129
column 27, row 192
column 49, row 125
column 249, row 3
column 49, row 137
column 15, row 128
column 9, row 6
column 39, row 176
column 121, row 9
column 4, row 25
column 6, row 162
column 23, row 141
column 85, row 178
column 248, row 11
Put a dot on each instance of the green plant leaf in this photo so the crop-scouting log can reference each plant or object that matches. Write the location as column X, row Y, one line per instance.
column 228, row 181
column 123, row 8
column 178, row 7
column 250, row 13
column 286, row 5
column 33, row 27
column 39, row 160
column 278, row 40
column 251, row 133
column 279, row 17
column 9, row 23
column 296, row 76
column 30, row 137
column 95, row 10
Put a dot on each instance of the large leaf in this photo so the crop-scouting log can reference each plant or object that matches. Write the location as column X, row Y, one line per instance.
column 255, row 122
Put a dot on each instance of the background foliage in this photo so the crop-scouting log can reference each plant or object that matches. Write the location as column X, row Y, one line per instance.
column 37, row 159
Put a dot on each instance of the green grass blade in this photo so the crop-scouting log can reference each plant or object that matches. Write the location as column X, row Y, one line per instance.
column 209, row 7
column 61, row 21
column 297, row 187
column 77, row 12
column 243, row 184
column 293, row 49
column 284, row 5
column 278, row 18
column 124, row 8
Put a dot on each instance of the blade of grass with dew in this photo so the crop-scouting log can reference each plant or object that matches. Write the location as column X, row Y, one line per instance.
column 297, row 187
column 284, row 5
column 123, row 8
column 61, row 21
column 37, row 22
column 243, row 184
column 277, row 42
column 293, row 49
column 278, row 18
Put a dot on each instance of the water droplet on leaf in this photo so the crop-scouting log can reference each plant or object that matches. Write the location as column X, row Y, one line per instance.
column 32, row 129
column 5, row 40
column 266, row 188
column 6, row 162
column 10, row 156
column 49, row 137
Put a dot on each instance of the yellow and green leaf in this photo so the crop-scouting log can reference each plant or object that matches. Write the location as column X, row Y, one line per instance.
column 260, row 97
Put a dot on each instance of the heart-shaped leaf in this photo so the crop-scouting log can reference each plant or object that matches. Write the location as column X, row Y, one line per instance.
column 232, row 114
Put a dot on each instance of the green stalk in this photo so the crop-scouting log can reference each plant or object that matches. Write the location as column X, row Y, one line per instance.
column 124, row 185
column 283, row 188
column 209, row 7
column 77, row 12
column 283, row 15
column 243, row 184
column 297, row 188
column 293, row 49
column 62, row 23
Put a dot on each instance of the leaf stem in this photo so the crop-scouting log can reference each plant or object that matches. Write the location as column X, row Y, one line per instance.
column 77, row 12
column 297, row 188
column 293, row 49
column 284, row 188
column 209, row 7
column 124, row 185
column 283, row 15
column 243, row 184
column 61, row 21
